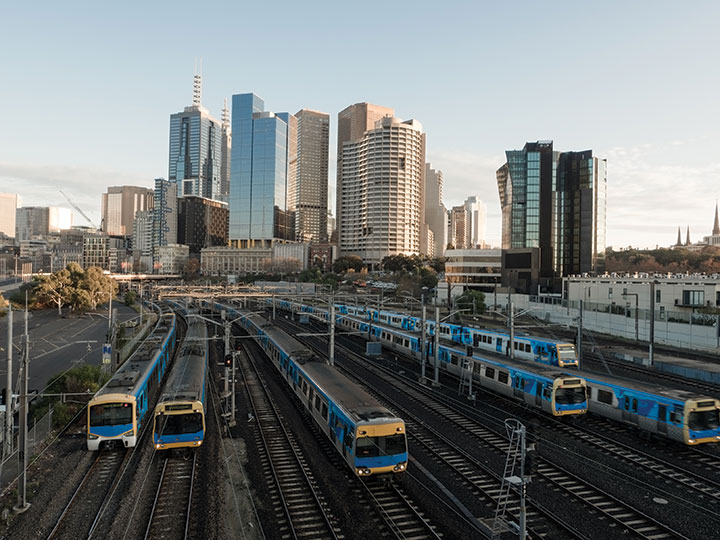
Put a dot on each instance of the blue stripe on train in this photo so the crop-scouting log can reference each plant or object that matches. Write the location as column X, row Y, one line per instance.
column 183, row 438
column 110, row 431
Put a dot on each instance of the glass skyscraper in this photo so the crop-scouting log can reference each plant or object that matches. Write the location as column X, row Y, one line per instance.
column 196, row 152
column 262, row 170
column 554, row 201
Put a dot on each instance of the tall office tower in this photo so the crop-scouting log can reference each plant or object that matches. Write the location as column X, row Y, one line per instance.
column 458, row 225
column 580, row 200
column 33, row 221
column 263, row 167
column 475, row 232
column 225, row 147
column 165, row 215
column 9, row 203
column 381, row 197
column 541, row 194
column 142, row 245
column 119, row 206
column 435, row 211
column 353, row 122
column 196, row 149
column 309, row 195
column 202, row 223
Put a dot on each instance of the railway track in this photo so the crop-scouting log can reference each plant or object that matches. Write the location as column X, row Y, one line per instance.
column 300, row 508
column 625, row 517
column 170, row 513
column 86, row 504
column 400, row 514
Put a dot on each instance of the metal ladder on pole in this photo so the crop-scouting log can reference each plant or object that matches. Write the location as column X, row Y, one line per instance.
column 465, row 377
column 512, row 479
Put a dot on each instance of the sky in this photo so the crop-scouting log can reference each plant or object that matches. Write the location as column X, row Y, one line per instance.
column 88, row 89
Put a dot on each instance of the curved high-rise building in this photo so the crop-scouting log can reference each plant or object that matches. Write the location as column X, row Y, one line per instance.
column 381, row 202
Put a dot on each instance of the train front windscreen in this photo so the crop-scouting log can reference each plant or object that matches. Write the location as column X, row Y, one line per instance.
column 110, row 414
column 388, row 445
column 178, row 424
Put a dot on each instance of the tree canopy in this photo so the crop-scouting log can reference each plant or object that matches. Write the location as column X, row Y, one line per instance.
column 664, row 260
column 472, row 301
column 72, row 286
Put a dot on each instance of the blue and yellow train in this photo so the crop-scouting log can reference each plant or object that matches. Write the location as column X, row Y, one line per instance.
column 666, row 412
column 368, row 436
column 179, row 420
column 543, row 350
column 120, row 408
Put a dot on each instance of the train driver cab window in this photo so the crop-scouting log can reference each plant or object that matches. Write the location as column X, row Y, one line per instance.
column 348, row 439
column 676, row 416
column 547, row 392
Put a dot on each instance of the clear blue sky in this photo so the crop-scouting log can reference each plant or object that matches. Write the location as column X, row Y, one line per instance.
column 88, row 89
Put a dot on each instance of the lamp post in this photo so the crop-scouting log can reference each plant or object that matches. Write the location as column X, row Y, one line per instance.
column 652, row 320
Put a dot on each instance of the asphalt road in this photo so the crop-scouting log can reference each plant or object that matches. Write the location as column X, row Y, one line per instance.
column 55, row 343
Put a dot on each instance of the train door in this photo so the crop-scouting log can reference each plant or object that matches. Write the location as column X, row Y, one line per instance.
column 498, row 345
column 518, row 386
column 538, row 393
column 662, row 419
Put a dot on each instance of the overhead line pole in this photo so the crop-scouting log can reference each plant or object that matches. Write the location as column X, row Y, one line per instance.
column 7, row 438
column 22, row 504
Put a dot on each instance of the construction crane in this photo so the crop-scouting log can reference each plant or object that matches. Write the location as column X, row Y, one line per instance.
column 76, row 207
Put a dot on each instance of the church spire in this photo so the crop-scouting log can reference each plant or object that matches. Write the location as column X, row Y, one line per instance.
column 687, row 238
column 716, row 227
column 679, row 240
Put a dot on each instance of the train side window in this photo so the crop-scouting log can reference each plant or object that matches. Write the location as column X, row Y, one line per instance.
column 502, row 377
column 676, row 416
column 324, row 410
column 662, row 413
column 527, row 347
column 634, row 405
column 312, row 393
column 627, row 403
column 317, row 403
column 603, row 396
column 547, row 392
column 489, row 372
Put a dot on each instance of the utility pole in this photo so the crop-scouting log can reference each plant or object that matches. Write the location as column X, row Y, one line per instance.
column 511, row 315
column 232, row 421
column 226, row 328
column 579, row 335
column 423, row 345
column 331, row 357
column 22, row 504
column 7, row 439
column 652, row 323
column 436, row 343
column 273, row 303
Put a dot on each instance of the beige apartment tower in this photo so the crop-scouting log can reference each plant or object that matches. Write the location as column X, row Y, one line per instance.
column 308, row 193
column 353, row 122
column 381, row 190
column 119, row 206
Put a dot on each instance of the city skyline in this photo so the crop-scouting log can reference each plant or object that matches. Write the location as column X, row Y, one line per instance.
column 643, row 100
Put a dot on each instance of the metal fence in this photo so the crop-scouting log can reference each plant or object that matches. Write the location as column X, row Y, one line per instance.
column 10, row 467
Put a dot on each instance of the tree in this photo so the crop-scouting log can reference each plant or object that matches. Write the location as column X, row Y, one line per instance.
column 191, row 269
column 472, row 301
column 54, row 288
column 96, row 288
column 348, row 262
column 130, row 297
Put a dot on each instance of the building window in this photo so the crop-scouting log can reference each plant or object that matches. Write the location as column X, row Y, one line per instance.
column 609, row 292
column 662, row 313
column 693, row 298
column 657, row 295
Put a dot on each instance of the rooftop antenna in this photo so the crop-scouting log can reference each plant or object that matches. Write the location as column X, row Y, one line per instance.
column 225, row 115
column 197, row 84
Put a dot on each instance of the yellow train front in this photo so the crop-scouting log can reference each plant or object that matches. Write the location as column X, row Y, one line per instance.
column 179, row 419
column 179, row 424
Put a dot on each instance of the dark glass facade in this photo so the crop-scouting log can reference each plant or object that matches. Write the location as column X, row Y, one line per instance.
column 555, row 201
column 262, row 167
column 202, row 223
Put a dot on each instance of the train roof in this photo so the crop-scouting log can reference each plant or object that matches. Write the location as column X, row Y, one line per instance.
column 641, row 386
column 352, row 398
column 187, row 376
column 129, row 377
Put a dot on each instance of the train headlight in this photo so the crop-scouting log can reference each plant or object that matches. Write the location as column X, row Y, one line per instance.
column 94, row 437
column 129, row 433
column 399, row 467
